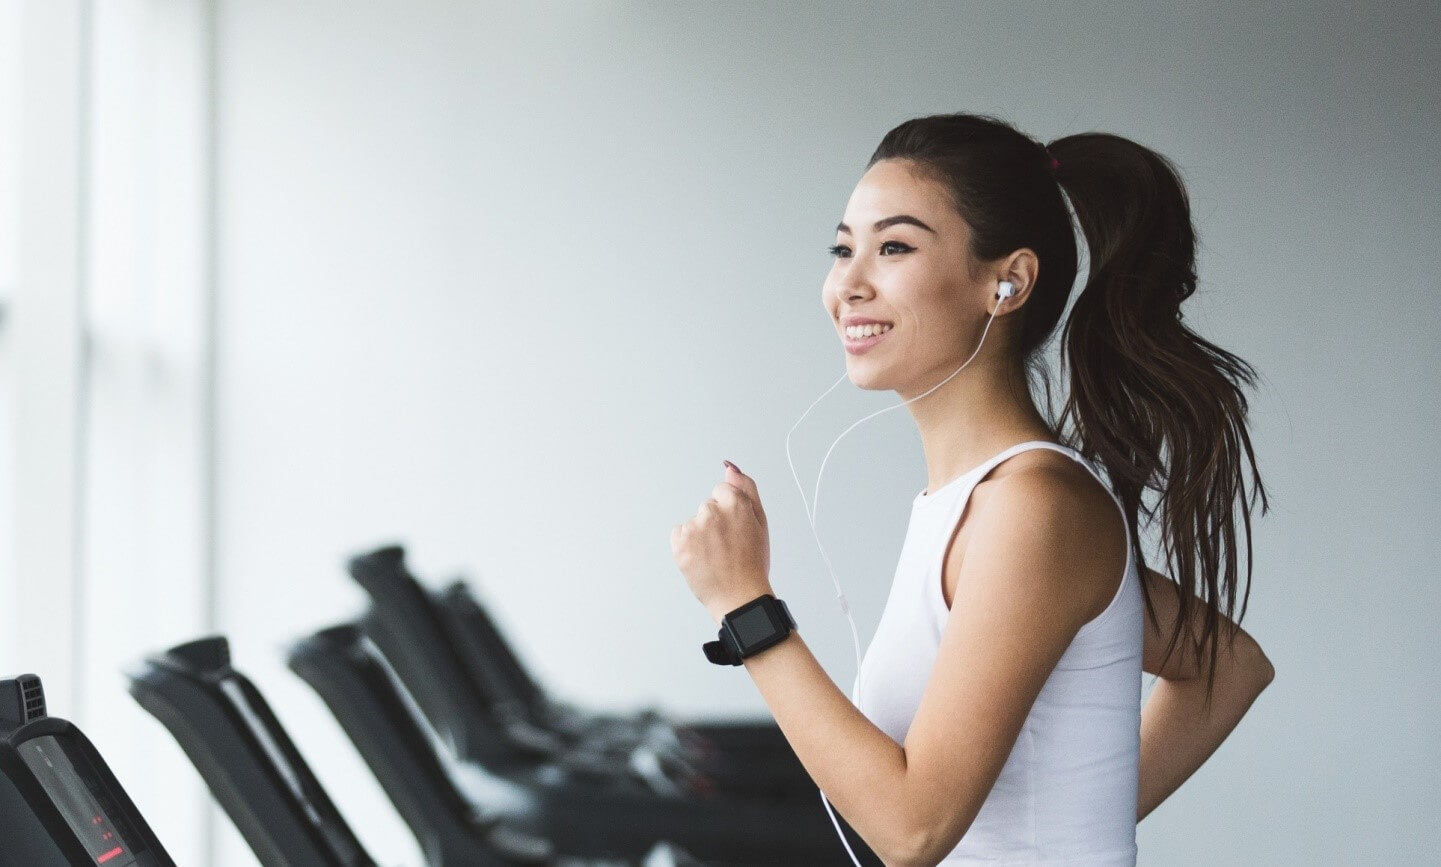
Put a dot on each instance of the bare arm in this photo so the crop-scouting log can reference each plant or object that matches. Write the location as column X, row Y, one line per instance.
column 1177, row 735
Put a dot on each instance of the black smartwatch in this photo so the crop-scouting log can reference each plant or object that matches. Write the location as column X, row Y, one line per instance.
column 751, row 628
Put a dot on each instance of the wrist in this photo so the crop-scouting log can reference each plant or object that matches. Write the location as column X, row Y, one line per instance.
column 720, row 608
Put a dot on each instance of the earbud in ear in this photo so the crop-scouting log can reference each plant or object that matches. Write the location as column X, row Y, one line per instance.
column 1006, row 290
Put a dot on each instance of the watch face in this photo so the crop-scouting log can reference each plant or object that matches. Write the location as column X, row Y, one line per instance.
column 753, row 626
column 758, row 624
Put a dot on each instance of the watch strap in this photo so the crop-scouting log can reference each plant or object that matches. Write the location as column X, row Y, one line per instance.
column 721, row 652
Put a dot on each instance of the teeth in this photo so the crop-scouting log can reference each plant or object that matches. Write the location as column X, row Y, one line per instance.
column 855, row 332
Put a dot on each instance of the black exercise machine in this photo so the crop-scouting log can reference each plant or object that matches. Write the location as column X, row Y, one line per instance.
column 490, row 657
column 254, row 770
column 581, row 803
column 742, row 758
column 60, row 805
column 491, row 710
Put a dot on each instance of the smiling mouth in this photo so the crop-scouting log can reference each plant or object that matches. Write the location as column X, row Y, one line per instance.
column 855, row 345
column 872, row 327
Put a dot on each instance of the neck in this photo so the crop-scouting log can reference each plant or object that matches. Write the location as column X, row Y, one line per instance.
column 981, row 411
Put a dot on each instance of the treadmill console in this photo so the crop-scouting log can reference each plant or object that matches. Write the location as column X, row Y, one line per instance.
column 59, row 803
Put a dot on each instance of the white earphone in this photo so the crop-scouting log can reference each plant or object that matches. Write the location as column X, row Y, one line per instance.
column 1006, row 290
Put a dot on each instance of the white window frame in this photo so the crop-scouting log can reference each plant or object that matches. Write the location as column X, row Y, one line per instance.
column 109, row 335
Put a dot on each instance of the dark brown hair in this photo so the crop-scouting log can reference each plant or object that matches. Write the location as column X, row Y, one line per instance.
column 1157, row 405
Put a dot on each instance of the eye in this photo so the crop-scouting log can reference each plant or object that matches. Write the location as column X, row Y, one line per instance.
column 844, row 251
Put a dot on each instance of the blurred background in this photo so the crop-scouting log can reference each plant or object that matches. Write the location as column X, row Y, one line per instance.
column 280, row 282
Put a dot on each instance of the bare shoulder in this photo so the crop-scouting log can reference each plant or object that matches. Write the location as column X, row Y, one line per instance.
column 1061, row 503
column 1029, row 584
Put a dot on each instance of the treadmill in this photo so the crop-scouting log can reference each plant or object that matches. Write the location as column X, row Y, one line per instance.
column 60, row 805
column 581, row 803
column 255, row 772
column 743, row 758
column 489, row 655
column 447, row 657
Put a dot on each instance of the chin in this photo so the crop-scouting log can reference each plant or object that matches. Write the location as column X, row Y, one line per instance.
column 863, row 377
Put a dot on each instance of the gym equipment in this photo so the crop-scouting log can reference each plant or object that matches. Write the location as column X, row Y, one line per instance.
column 240, row 749
column 448, row 660
column 744, row 758
column 581, row 803
column 255, row 772
column 60, row 805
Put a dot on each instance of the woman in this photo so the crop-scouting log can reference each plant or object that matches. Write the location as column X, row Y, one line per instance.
column 997, row 715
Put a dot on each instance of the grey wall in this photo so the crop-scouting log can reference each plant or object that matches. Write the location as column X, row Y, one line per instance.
column 507, row 283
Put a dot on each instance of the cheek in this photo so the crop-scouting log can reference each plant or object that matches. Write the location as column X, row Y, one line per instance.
column 828, row 295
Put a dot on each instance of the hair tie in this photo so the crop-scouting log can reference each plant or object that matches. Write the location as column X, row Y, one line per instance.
column 1055, row 163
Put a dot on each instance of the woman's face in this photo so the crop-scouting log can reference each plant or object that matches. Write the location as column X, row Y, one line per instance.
column 913, row 277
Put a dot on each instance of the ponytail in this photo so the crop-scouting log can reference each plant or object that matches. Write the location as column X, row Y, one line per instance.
column 1161, row 407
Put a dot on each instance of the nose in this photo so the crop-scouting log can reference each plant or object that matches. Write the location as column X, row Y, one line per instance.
column 856, row 285
column 848, row 287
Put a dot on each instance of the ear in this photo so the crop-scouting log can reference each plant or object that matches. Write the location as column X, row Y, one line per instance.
column 1021, row 268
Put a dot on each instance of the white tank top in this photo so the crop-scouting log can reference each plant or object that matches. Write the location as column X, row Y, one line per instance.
column 1067, row 793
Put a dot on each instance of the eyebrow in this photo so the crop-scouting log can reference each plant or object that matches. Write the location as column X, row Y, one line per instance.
column 889, row 221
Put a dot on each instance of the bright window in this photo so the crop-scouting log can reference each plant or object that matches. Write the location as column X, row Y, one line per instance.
column 9, row 226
